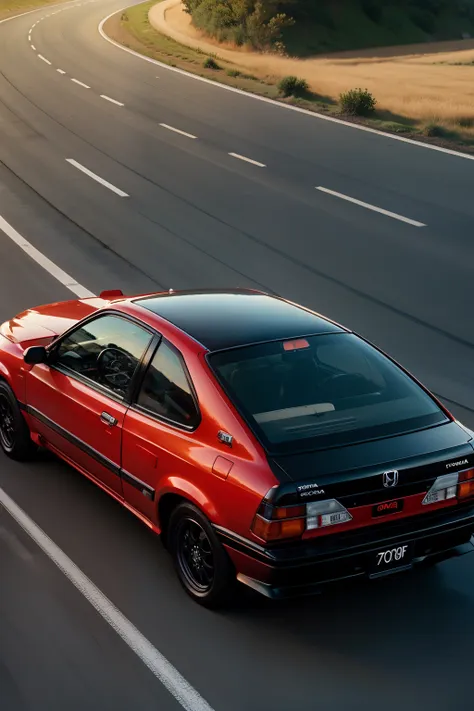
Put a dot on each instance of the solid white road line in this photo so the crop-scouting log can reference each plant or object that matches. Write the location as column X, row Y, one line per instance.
column 177, row 130
column 367, row 205
column 96, row 178
column 43, row 59
column 112, row 101
column 247, row 160
column 60, row 71
column 168, row 675
column 52, row 268
column 80, row 83
column 288, row 107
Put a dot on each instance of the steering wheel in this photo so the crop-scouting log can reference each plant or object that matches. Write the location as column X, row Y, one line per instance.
column 115, row 368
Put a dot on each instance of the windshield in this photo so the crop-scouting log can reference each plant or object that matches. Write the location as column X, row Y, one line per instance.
column 322, row 391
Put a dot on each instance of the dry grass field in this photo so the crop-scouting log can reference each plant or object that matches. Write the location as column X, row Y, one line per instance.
column 420, row 82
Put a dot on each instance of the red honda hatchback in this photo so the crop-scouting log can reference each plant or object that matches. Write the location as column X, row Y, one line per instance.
column 263, row 442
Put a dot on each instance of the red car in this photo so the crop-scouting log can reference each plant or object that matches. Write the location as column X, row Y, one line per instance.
column 263, row 442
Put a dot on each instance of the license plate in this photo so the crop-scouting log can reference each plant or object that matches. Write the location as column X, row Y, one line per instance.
column 391, row 558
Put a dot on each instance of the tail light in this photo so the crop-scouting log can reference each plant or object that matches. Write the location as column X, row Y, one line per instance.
column 458, row 485
column 277, row 522
column 466, row 484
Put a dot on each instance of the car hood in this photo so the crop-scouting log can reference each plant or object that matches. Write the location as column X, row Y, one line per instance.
column 40, row 325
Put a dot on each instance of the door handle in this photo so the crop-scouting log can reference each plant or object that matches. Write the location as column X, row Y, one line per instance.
column 108, row 419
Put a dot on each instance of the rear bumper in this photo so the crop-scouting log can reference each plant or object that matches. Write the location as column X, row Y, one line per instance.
column 306, row 567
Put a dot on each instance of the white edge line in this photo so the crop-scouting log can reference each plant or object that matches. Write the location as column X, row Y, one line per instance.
column 247, row 160
column 177, row 130
column 112, row 101
column 43, row 59
column 168, row 675
column 44, row 262
column 368, row 206
column 97, row 178
column 264, row 99
column 80, row 83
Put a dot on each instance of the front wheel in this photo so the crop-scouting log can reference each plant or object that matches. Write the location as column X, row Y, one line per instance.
column 15, row 439
column 202, row 564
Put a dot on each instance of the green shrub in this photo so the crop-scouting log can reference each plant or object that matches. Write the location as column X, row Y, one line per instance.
column 357, row 102
column 210, row 63
column 233, row 73
column 434, row 130
column 292, row 86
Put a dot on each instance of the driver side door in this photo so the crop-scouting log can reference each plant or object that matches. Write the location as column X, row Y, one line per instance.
column 78, row 400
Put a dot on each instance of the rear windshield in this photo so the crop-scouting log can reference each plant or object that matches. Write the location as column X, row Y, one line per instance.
column 322, row 391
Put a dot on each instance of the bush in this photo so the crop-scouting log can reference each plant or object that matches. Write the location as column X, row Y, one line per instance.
column 210, row 63
column 292, row 86
column 357, row 102
column 434, row 130
column 233, row 73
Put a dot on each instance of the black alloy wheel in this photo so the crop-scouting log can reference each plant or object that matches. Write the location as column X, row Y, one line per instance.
column 15, row 438
column 7, row 423
column 203, row 566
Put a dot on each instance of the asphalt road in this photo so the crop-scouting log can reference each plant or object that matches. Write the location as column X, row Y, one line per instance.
column 196, row 216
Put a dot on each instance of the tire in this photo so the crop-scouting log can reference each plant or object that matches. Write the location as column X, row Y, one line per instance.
column 201, row 563
column 15, row 438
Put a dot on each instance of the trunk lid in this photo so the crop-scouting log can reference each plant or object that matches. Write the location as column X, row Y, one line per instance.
column 354, row 475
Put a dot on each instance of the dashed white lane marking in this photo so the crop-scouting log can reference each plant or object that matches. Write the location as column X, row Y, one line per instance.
column 177, row 130
column 43, row 59
column 97, row 178
column 80, row 83
column 247, row 160
column 60, row 71
column 112, row 101
column 164, row 671
column 49, row 266
column 368, row 206
column 33, row 48
column 29, row 38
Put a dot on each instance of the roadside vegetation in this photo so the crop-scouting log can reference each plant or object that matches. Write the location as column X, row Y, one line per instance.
column 450, row 124
column 15, row 7
column 308, row 27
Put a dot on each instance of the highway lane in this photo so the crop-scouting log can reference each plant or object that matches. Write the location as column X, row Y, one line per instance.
column 241, row 216
column 195, row 217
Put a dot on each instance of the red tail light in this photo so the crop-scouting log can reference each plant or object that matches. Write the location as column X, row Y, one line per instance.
column 277, row 522
column 466, row 484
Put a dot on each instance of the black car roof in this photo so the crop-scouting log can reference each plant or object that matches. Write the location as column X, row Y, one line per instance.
column 228, row 319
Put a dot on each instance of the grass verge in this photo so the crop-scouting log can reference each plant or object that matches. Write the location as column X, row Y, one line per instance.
column 133, row 30
column 9, row 8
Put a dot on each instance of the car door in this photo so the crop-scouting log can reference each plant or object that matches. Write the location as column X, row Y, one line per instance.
column 158, row 429
column 78, row 400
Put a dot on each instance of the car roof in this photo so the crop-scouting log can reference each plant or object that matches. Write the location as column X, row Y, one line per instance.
column 223, row 319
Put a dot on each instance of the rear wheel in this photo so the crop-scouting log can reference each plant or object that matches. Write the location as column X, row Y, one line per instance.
column 202, row 565
column 15, row 439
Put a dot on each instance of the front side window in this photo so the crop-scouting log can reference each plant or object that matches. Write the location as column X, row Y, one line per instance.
column 322, row 391
column 106, row 351
column 166, row 390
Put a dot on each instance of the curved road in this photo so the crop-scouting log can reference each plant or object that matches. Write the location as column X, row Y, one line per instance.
column 127, row 174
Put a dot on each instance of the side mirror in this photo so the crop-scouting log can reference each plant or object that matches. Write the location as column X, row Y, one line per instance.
column 35, row 355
